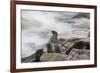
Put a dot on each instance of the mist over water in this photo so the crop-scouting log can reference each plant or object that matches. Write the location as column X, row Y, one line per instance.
column 37, row 27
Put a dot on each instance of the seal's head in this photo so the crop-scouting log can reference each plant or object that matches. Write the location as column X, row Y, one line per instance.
column 54, row 32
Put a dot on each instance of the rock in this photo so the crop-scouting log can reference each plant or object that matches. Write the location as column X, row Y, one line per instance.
column 80, row 45
column 81, row 15
column 73, row 55
column 52, row 57
column 77, row 45
column 30, row 58
column 83, row 51
column 38, row 54
column 77, row 54
column 84, row 57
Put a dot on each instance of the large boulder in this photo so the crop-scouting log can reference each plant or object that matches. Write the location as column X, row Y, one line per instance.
column 77, row 43
column 84, row 57
column 52, row 57
column 79, row 54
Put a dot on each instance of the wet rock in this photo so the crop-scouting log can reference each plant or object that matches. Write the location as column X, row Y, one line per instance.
column 65, row 50
column 52, row 57
column 78, row 44
column 73, row 55
column 38, row 54
column 84, row 57
column 77, row 54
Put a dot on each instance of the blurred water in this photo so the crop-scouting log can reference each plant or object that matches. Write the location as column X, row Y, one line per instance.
column 37, row 27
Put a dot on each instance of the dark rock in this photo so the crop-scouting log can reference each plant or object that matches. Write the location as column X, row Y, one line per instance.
column 81, row 44
column 84, row 57
column 81, row 15
column 79, row 54
column 38, row 54
column 28, row 59
column 77, row 44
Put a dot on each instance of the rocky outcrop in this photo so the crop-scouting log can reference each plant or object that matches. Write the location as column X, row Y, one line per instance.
column 63, row 50
column 52, row 57
column 77, row 54
column 77, row 43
